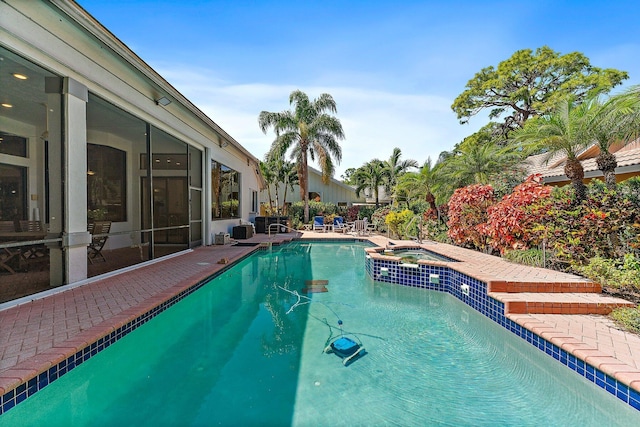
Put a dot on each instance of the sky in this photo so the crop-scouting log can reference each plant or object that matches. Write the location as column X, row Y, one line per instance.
column 394, row 67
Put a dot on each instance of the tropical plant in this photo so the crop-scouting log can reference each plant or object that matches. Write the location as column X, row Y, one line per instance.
column 627, row 318
column 478, row 163
column 379, row 217
column 347, row 176
column 510, row 222
column 269, row 175
column 613, row 273
column 565, row 132
column 530, row 84
column 288, row 175
column 352, row 213
column 468, row 210
column 395, row 168
column 398, row 222
column 575, row 233
column 296, row 211
column 434, row 229
column 371, row 175
column 533, row 256
column 307, row 131
column 614, row 123
column 421, row 184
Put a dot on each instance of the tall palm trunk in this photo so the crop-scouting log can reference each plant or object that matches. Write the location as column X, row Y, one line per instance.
column 304, row 186
column 431, row 199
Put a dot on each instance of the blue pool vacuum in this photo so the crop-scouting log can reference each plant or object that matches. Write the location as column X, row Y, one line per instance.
column 346, row 348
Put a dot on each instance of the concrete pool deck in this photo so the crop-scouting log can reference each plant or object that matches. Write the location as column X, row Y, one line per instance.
column 38, row 334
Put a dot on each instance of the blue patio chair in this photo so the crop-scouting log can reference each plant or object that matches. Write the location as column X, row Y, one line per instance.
column 318, row 223
column 339, row 226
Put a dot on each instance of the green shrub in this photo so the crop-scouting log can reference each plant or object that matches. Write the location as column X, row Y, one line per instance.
column 435, row 230
column 627, row 318
column 398, row 222
column 366, row 211
column 379, row 217
column 533, row 257
column 419, row 207
column 600, row 226
column 609, row 272
column 296, row 211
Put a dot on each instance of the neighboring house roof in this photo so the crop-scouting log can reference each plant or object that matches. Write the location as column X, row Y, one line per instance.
column 628, row 158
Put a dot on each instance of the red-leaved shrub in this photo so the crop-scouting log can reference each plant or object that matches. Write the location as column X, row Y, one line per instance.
column 467, row 211
column 509, row 222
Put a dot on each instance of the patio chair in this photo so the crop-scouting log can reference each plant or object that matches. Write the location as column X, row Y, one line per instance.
column 7, row 255
column 99, row 234
column 318, row 223
column 360, row 227
column 339, row 226
column 34, row 254
column 369, row 227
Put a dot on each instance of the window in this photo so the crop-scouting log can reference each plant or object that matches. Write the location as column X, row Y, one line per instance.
column 106, row 183
column 13, row 197
column 254, row 201
column 225, row 189
column 13, row 145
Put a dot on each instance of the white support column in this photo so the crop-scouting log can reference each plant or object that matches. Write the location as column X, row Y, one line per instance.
column 75, row 237
column 206, row 189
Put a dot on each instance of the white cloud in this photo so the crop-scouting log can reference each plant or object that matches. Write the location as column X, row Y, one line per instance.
column 374, row 121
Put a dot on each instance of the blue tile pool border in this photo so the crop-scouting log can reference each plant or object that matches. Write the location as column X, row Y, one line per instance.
column 447, row 279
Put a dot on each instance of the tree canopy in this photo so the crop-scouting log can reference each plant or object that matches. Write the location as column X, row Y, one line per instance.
column 530, row 84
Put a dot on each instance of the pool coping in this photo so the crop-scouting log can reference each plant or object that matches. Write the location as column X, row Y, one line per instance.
column 31, row 375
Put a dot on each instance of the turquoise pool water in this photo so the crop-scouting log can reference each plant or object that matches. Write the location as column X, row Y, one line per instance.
column 240, row 352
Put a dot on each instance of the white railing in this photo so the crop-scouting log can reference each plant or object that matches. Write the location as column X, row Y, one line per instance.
column 284, row 227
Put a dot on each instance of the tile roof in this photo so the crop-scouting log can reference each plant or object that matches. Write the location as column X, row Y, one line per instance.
column 626, row 156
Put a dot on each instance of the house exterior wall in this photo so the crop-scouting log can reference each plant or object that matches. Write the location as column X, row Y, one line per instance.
column 62, row 38
column 335, row 191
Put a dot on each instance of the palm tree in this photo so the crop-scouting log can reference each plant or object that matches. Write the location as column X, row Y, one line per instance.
column 289, row 177
column 424, row 183
column 309, row 131
column 564, row 131
column 615, row 122
column 395, row 168
column 477, row 163
column 266, row 169
column 371, row 175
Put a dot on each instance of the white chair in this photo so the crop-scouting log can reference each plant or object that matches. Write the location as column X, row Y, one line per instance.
column 360, row 227
column 369, row 227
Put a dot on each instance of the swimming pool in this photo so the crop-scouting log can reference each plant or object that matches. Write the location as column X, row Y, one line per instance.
column 239, row 351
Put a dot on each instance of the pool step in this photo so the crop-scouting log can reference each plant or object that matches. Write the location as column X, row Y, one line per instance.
column 558, row 303
column 547, row 287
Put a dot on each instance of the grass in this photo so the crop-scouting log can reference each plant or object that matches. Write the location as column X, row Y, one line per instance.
column 627, row 318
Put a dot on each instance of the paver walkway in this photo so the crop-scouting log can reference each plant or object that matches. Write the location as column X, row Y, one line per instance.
column 39, row 334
